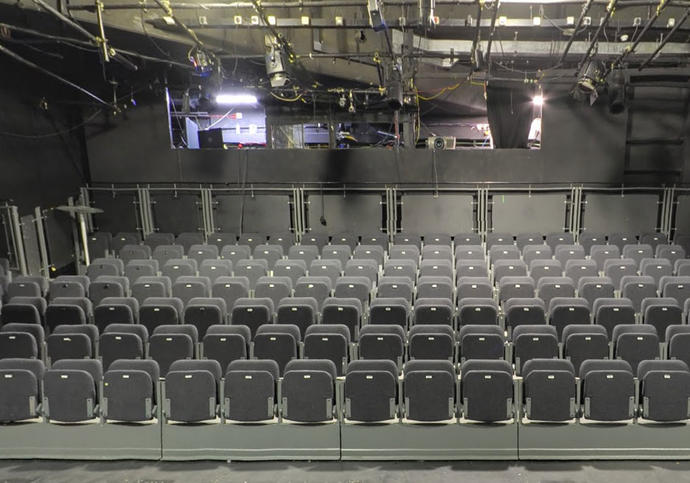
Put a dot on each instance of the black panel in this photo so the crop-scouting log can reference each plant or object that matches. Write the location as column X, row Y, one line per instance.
column 211, row 138
column 176, row 212
column 119, row 211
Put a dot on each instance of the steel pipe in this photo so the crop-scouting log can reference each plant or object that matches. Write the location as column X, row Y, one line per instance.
column 675, row 28
column 66, row 20
column 578, row 24
column 70, row 40
column 494, row 16
column 95, row 40
column 650, row 22
column 354, row 4
column 473, row 51
column 190, row 33
column 609, row 12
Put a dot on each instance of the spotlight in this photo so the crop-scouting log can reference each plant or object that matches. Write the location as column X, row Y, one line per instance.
column 394, row 94
column 236, row 99
column 538, row 100
column 591, row 77
column 276, row 62
column 351, row 108
column 426, row 13
column 616, row 90
column 392, row 81
column 376, row 15
column 200, row 61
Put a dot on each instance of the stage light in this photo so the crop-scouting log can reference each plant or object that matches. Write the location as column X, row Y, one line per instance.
column 276, row 62
column 351, row 109
column 616, row 89
column 538, row 100
column 590, row 77
column 376, row 15
column 426, row 13
column 236, row 99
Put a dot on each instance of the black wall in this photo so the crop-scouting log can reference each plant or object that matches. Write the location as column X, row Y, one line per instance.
column 581, row 143
column 38, row 167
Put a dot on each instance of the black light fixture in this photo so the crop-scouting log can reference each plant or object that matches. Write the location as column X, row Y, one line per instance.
column 591, row 77
column 394, row 94
column 392, row 81
column 615, row 85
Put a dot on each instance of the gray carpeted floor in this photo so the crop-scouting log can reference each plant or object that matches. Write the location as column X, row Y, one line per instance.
column 350, row 472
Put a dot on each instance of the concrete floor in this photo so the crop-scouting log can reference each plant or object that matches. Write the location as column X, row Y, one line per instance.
column 350, row 472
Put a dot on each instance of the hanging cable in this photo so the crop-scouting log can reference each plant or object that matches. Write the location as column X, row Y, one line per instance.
column 28, row 63
column 84, row 45
column 100, row 42
column 280, row 98
column 52, row 134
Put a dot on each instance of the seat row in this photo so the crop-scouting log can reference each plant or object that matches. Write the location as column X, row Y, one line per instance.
column 404, row 260
column 103, row 242
column 433, row 302
column 538, row 264
column 284, row 342
column 252, row 391
column 511, row 283
column 311, row 303
column 272, row 253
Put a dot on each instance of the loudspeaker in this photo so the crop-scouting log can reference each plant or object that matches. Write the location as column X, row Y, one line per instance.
column 211, row 138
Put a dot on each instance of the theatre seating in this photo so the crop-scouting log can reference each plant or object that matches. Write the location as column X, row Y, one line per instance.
column 434, row 331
